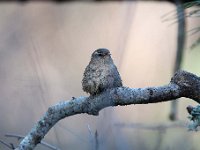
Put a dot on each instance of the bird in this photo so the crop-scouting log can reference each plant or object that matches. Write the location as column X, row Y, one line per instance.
column 101, row 73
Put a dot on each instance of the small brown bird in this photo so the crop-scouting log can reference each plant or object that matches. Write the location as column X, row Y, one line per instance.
column 101, row 73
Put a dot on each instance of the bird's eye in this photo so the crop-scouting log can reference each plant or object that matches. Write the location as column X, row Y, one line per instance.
column 100, row 54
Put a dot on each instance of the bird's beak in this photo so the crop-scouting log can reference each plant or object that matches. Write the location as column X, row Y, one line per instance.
column 107, row 54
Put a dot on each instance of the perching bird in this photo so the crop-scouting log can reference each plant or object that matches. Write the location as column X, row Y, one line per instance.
column 101, row 73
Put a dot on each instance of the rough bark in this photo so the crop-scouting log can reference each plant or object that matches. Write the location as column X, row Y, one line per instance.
column 182, row 84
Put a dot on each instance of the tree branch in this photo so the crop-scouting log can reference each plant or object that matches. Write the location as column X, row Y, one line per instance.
column 183, row 84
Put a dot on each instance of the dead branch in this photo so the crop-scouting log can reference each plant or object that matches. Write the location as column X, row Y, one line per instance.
column 182, row 84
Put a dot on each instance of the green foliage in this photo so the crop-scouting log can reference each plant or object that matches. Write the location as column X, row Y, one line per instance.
column 191, row 4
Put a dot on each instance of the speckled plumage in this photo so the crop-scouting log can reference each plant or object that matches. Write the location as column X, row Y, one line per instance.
column 101, row 73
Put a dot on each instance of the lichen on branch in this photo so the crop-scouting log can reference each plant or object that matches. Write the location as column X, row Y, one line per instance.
column 182, row 84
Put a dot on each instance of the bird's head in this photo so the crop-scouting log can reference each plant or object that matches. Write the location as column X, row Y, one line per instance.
column 101, row 53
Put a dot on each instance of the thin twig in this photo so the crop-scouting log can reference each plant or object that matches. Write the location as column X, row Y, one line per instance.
column 72, row 133
column 90, row 131
column 96, row 141
column 7, row 145
column 42, row 142
column 92, row 137
column 159, row 127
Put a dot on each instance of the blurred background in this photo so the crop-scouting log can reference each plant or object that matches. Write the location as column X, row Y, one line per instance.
column 46, row 45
